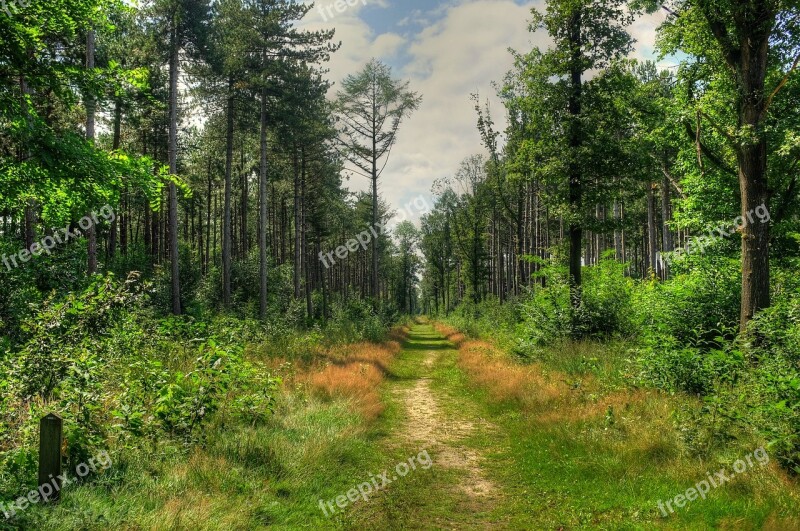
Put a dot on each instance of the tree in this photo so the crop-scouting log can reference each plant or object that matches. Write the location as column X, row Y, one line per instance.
column 747, row 43
column 587, row 35
column 408, row 265
column 467, row 198
column 184, row 23
column 274, row 42
column 370, row 108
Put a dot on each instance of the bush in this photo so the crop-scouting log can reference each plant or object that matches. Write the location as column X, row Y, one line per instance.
column 605, row 309
column 773, row 397
column 696, row 307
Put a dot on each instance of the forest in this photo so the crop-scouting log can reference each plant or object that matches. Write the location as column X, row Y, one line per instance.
column 204, row 279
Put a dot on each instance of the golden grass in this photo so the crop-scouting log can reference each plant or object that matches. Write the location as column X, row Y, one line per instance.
column 451, row 334
column 635, row 424
column 355, row 371
column 529, row 386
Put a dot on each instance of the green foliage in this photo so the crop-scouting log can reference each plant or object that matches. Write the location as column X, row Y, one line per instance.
column 605, row 310
column 64, row 330
column 697, row 307
column 187, row 400
column 357, row 320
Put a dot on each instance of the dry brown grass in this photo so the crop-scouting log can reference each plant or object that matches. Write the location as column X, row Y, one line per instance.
column 529, row 386
column 451, row 334
column 641, row 420
column 544, row 394
column 355, row 371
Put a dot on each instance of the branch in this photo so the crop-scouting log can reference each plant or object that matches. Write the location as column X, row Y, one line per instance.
column 730, row 52
column 729, row 137
column 780, row 85
column 705, row 150
column 674, row 183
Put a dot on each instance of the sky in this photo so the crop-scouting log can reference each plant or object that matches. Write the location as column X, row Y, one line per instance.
column 448, row 50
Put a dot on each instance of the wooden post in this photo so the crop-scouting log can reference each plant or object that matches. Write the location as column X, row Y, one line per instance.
column 50, row 441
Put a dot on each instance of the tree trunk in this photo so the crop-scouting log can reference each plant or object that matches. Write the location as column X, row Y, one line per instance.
column 115, row 143
column 173, row 170
column 298, row 260
column 262, row 210
column 226, row 229
column 245, row 244
column 575, row 172
column 618, row 231
column 666, row 218
column 304, row 239
column 752, row 160
column 652, row 247
column 748, row 57
column 91, row 233
column 375, row 246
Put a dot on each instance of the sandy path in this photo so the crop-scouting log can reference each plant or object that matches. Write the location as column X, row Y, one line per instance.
column 428, row 427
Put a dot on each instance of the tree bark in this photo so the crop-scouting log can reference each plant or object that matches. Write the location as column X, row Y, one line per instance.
column 375, row 246
column 226, row 230
column 298, row 260
column 746, row 53
column 91, row 233
column 575, row 172
column 652, row 246
column 666, row 218
column 173, row 170
column 752, row 160
column 262, row 210
column 115, row 143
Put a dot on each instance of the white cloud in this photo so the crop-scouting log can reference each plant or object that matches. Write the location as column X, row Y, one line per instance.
column 463, row 52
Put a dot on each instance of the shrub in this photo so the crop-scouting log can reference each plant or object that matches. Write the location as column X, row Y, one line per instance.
column 697, row 307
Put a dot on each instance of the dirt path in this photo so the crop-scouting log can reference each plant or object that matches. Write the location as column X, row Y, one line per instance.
column 428, row 426
column 428, row 419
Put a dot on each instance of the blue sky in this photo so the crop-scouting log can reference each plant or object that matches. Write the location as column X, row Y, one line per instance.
column 447, row 49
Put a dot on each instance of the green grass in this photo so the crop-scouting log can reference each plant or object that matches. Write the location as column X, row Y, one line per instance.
column 572, row 474
column 266, row 476
column 605, row 472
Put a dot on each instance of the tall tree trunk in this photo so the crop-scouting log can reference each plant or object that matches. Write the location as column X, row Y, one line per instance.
column 115, row 143
column 375, row 246
column 262, row 210
column 752, row 160
column 575, row 171
column 208, row 218
column 618, row 231
column 91, row 233
column 244, row 206
column 652, row 245
column 666, row 218
column 304, row 240
column 746, row 52
column 298, row 257
column 173, row 170
column 226, row 229
column 148, row 234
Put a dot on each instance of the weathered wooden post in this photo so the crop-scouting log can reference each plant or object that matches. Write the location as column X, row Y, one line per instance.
column 50, row 441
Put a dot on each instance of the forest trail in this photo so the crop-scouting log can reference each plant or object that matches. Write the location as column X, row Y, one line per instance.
column 428, row 426
column 456, row 492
